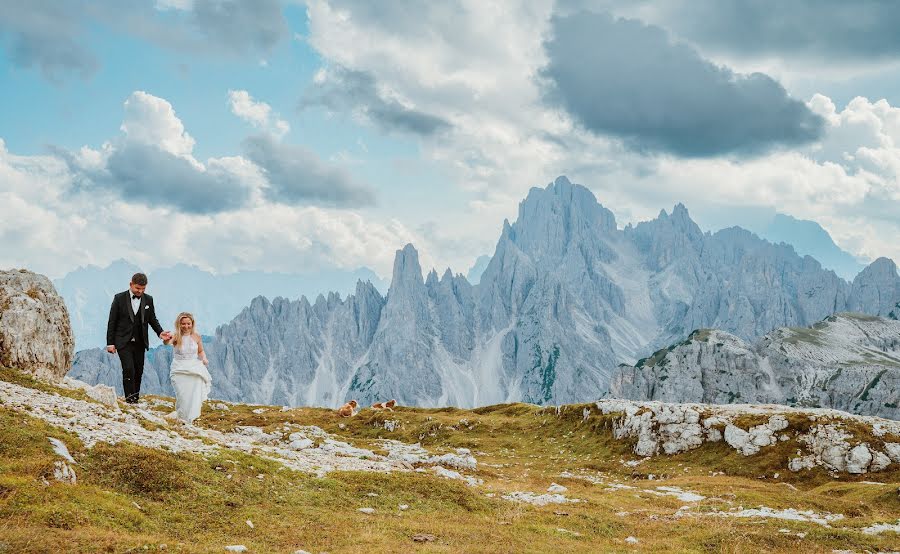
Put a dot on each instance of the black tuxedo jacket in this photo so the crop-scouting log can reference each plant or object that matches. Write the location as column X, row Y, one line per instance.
column 120, row 327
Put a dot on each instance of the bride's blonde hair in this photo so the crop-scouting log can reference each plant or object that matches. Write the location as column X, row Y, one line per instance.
column 182, row 315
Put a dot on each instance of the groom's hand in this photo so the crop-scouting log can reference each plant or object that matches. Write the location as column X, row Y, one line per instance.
column 111, row 349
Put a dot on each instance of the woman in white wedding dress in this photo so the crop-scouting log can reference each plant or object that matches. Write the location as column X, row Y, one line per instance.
column 190, row 378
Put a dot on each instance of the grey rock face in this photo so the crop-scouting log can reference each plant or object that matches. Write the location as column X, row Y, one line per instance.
column 876, row 290
column 35, row 333
column 565, row 297
column 848, row 361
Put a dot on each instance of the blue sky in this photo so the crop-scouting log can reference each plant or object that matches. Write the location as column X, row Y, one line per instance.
column 299, row 136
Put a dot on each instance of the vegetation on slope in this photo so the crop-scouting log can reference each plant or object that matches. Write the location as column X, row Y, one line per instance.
column 130, row 498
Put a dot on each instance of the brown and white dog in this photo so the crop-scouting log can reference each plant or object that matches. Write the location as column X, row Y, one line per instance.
column 389, row 405
column 348, row 409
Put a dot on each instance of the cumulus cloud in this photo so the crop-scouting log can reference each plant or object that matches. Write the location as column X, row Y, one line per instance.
column 151, row 120
column 152, row 162
column 259, row 114
column 51, row 224
column 296, row 174
column 149, row 174
column 53, row 227
column 662, row 96
column 340, row 89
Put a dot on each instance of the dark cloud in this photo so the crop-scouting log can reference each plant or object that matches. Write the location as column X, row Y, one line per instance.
column 624, row 78
column 241, row 25
column 50, row 34
column 45, row 34
column 350, row 90
column 817, row 29
column 148, row 175
column 297, row 175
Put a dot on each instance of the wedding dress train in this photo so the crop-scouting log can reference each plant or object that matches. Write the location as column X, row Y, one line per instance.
column 190, row 379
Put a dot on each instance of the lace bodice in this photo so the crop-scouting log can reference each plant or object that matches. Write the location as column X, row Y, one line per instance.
column 187, row 350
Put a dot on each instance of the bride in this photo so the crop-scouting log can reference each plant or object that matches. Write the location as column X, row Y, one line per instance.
column 190, row 378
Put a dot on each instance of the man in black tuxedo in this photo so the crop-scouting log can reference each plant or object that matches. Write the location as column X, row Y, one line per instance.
column 126, row 333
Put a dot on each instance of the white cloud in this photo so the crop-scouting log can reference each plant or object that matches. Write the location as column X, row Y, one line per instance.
column 152, row 162
column 258, row 114
column 151, row 120
column 50, row 225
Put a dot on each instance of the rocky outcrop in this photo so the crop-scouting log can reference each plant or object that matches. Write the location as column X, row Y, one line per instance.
column 35, row 334
column 837, row 441
column 847, row 361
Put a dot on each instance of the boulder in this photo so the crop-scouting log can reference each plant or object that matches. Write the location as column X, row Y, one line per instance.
column 35, row 332
column 104, row 394
column 858, row 459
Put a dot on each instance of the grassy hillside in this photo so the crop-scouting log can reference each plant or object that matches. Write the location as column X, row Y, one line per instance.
column 130, row 498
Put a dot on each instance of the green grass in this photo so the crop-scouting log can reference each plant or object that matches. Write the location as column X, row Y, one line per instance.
column 133, row 499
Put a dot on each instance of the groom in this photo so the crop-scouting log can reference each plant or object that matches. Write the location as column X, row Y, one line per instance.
column 126, row 332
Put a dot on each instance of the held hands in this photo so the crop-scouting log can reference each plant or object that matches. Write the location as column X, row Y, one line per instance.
column 111, row 349
column 166, row 336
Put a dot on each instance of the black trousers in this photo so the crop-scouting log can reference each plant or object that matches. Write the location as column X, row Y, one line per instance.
column 132, row 358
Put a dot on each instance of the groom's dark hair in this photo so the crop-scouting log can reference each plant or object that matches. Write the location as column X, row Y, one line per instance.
column 139, row 279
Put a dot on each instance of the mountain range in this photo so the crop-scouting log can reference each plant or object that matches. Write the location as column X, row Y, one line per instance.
column 213, row 299
column 566, row 297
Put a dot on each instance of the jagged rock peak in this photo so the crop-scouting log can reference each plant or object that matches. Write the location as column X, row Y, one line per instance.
column 570, row 200
column 554, row 218
column 681, row 221
column 407, row 271
column 432, row 278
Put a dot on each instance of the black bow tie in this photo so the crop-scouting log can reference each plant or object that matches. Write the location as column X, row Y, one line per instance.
column 133, row 297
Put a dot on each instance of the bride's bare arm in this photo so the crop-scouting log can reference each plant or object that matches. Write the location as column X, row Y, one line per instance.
column 200, row 352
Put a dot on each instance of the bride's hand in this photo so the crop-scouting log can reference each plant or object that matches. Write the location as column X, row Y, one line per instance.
column 205, row 362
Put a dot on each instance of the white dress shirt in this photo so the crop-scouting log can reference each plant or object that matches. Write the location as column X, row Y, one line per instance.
column 135, row 303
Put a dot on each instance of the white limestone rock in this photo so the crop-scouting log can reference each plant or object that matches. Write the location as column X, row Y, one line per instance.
column 740, row 440
column 538, row 499
column 880, row 461
column 556, row 488
column 858, row 459
column 892, row 449
column 667, row 428
column 35, row 333
column 101, row 393
column 63, row 473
